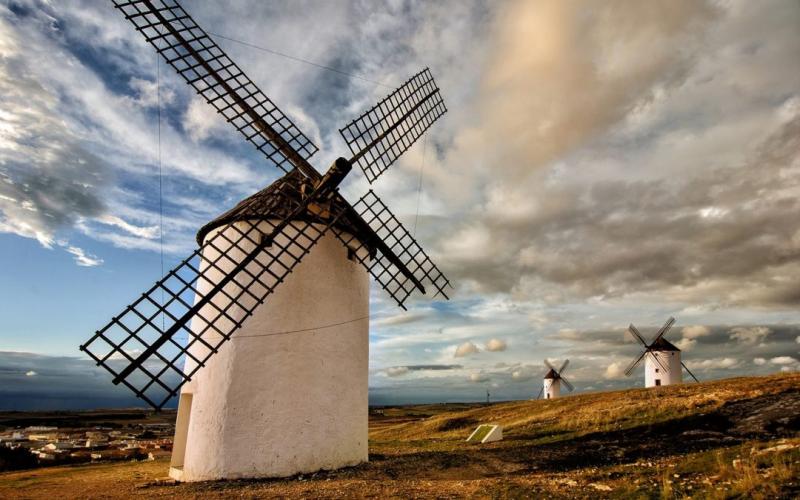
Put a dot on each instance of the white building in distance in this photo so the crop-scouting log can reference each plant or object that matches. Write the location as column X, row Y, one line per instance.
column 552, row 385
column 662, row 365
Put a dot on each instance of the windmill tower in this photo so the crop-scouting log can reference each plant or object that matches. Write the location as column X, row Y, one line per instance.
column 662, row 360
column 263, row 330
column 551, row 388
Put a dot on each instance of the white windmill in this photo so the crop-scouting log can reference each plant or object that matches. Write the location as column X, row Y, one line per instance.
column 662, row 360
column 263, row 330
column 551, row 387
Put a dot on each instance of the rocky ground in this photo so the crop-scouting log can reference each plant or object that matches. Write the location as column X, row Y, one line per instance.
column 736, row 438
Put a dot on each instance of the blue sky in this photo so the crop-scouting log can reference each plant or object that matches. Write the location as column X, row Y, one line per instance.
column 598, row 166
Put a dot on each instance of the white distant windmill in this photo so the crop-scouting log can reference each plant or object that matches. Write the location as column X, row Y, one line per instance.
column 662, row 360
column 551, row 386
column 263, row 330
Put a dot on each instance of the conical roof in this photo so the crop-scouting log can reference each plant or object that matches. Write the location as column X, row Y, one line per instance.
column 276, row 201
column 663, row 344
column 551, row 374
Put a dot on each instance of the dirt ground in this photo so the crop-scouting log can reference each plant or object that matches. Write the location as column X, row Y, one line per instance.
column 738, row 438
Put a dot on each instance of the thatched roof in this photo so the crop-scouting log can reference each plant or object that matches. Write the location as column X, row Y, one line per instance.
column 551, row 374
column 276, row 201
column 663, row 344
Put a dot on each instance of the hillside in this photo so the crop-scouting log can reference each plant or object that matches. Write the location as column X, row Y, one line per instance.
column 731, row 438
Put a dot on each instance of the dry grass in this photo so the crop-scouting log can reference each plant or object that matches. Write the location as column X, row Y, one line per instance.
column 549, row 420
column 624, row 444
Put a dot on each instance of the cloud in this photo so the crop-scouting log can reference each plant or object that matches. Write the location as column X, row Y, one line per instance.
column 77, row 141
column 148, row 232
column 750, row 336
column 568, row 334
column 597, row 164
column 496, row 345
column 521, row 375
column 759, row 361
column 479, row 377
column 200, row 120
column 397, row 371
column 685, row 344
column 433, row 367
column 783, row 360
column 466, row 349
column 713, row 364
column 147, row 94
column 690, row 336
column 36, row 382
column 569, row 217
column 695, row 331
column 82, row 258
column 614, row 371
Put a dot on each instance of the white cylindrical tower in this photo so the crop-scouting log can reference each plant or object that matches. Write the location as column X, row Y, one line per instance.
column 655, row 374
column 271, row 403
column 552, row 386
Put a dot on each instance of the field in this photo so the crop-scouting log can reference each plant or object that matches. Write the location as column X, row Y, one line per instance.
column 735, row 438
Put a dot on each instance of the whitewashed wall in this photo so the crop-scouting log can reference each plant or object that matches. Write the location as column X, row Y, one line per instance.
column 653, row 371
column 552, row 388
column 282, row 404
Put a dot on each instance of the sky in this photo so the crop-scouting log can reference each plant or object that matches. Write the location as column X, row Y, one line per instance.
column 600, row 164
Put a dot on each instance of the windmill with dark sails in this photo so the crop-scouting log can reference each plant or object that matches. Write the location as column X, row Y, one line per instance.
column 551, row 386
column 662, row 359
column 263, row 330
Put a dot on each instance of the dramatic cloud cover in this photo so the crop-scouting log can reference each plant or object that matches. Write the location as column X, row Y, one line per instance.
column 599, row 165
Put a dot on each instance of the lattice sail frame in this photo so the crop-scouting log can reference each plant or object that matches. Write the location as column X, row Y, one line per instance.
column 143, row 346
column 175, row 35
column 381, row 135
column 122, row 345
column 389, row 229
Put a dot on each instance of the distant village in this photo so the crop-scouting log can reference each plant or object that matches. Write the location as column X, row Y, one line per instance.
column 46, row 445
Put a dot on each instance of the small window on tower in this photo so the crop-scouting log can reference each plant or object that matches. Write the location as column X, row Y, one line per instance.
column 656, row 370
column 351, row 254
column 658, row 381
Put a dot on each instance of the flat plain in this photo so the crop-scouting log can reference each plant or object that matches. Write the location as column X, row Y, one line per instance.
column 732, row 438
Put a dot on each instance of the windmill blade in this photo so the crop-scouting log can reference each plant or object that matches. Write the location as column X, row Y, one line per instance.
column 547, row 364
column 541, row 391
column 664, row 330
column 206, row 67
column 216, row 288
column 636, row 334
column 566, row 383
column 689, row 371
column 379, row 136
column 563, row 367
column 634, row 364
column 399, row 264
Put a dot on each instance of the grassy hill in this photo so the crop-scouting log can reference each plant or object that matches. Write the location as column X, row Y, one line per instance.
column 734, row 438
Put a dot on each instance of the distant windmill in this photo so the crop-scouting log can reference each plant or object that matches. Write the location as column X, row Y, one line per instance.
column 294, row 258
column 551, row 387
column 662, row 360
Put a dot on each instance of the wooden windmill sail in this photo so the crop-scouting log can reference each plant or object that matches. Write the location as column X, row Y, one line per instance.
column 248, row 256
column 662, row 358
column 551, row 386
